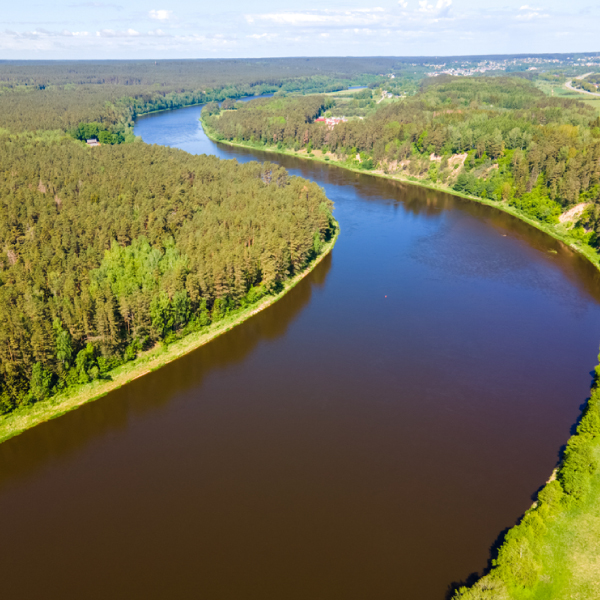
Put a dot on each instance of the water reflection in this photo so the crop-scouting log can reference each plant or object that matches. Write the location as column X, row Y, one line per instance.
column 60, row 438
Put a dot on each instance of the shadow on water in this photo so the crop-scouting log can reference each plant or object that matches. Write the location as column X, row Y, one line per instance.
column 60, row 438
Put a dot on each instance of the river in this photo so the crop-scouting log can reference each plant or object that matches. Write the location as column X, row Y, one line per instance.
column 369, row 436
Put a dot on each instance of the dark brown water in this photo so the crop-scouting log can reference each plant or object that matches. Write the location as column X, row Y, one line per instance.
column 340, row 445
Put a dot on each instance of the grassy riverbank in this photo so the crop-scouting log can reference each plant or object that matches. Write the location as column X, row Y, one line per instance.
column 554, row 552
column 24, row 418
column 559, row 232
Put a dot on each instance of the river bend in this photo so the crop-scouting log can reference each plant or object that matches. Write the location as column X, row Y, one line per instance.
column 368, row 436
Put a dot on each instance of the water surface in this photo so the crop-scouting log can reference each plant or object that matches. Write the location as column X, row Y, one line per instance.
column 368, row 436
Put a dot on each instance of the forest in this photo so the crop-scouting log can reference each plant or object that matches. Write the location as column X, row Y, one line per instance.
column 498, row 138
column 61, row 95
column 105, row 254
column 106, row 251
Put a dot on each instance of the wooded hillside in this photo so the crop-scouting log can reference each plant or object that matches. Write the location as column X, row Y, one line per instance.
column 494, row 137
column 45, row 95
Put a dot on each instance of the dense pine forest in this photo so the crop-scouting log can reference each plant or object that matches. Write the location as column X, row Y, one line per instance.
column 498, row 138
column 107, row 251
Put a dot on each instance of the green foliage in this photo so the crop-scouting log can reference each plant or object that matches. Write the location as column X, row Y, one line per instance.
column 367, row 163
column 579, row 463
column 108, row 252
column 286, row 120
column 538, row 205
column 97, row 131
column 538, row 153
column 518, row 568
column 484, row 589
column 468, row 183
column 64, row 348
column 86, row 367
column 169, row 314
column 551, row 496
column 365, row 94
column 516, row 563
column 40, row 382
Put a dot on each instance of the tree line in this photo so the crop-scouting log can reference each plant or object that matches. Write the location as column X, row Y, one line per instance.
column 495, row 137
column 106, row 251
column 59, row 95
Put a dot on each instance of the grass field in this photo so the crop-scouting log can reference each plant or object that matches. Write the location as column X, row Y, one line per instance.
column 571, row 558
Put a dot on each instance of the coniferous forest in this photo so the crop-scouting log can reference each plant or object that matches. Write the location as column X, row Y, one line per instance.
column 106, row 253
column 108, row 250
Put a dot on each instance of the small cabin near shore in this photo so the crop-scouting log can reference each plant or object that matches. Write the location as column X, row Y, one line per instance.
column 92, row 142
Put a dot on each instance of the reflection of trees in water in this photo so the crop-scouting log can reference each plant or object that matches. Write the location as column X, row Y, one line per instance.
column 23, row 455
column 425, row 202
column 572, row 265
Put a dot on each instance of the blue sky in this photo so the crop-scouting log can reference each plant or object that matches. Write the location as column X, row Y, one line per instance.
column 72, row 29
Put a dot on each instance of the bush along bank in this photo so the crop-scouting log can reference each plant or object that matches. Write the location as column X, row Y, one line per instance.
column 554, row 551
column 571, row 230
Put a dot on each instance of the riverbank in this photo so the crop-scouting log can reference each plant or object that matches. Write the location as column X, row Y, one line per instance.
column 558, row 232
column 560, row 546
column 554, row 551
column 22, row 419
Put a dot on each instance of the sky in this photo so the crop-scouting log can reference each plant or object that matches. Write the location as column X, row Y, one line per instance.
column 126, row 29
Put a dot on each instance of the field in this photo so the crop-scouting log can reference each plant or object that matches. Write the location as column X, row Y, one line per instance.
column 559, row 90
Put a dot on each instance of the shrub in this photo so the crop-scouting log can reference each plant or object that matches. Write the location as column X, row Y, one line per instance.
column 578, row 465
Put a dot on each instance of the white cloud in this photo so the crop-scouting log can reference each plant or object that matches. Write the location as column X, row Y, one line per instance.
column 440, row 9
column 111, row 33
column 324, row 18
column 533, row 13
column 403, row 3
column 262, row 36
column 160, row 15
column 96, row 5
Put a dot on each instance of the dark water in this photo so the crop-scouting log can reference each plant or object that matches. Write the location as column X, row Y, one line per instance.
column 368, row 437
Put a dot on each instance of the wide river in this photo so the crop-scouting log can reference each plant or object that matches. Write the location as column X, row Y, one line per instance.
column 367, row 437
